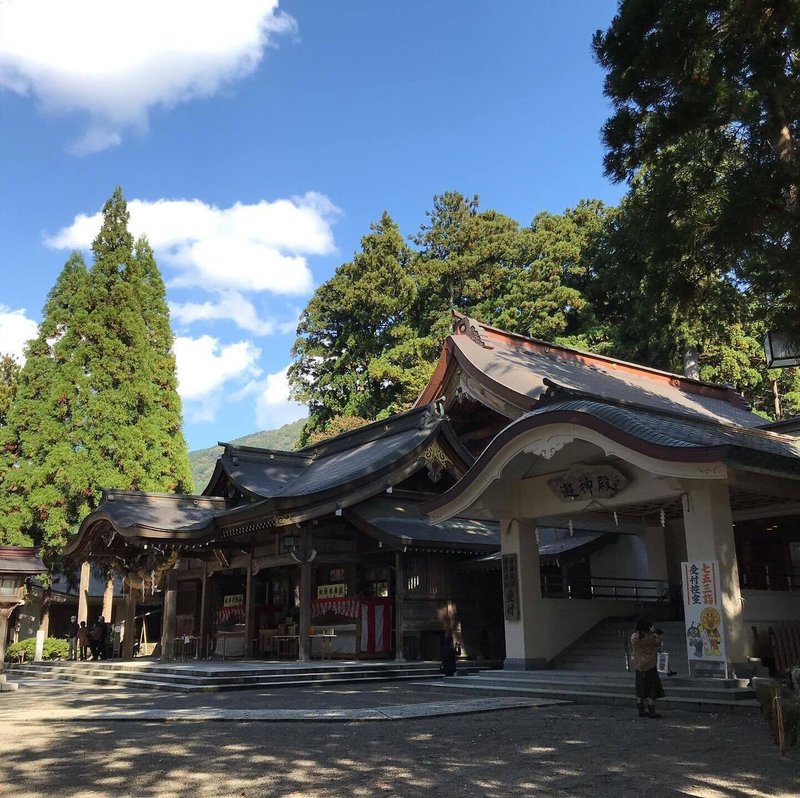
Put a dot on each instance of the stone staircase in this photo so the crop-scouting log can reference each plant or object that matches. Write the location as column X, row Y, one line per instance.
column 204, row 676
column 593, row 672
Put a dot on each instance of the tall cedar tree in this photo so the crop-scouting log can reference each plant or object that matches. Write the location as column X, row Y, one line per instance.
column 707, row 112
column 370, row 337
column 97, row 405
column 134, row 419
column 348, row 324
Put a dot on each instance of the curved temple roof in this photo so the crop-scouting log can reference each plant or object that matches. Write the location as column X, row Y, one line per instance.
column 266, row 488
column 517, row 372
column 668, row 436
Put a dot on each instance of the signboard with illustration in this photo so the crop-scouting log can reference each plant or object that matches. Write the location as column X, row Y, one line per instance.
column 702, row 600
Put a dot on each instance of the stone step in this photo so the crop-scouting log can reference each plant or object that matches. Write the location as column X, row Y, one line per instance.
column 610, row 697
column 217, row 681
column 624, row 679
column 686, row 689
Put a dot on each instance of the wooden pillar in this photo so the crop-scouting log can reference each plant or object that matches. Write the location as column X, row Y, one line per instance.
column 168, row 618
column 4, row 613
column 130, row 625
column 249, row 609
column 205, row 615
column 304, row 648
column 108, row 599
column 399, row 602
column 83, row 594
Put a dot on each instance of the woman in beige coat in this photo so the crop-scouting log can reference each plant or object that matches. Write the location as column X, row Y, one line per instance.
column 646, row 642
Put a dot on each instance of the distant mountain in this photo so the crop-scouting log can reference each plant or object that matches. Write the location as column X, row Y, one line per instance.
column 203, row 461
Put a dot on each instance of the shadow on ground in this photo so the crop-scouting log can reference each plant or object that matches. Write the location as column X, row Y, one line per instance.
column 552, row 751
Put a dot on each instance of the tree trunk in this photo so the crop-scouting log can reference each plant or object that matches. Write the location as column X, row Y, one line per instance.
column 44, row 622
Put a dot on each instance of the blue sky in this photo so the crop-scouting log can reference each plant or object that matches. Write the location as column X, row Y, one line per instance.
column 255, row 145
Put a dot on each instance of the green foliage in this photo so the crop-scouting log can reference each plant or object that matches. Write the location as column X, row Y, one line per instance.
column 348, row 324
column 97, row 404
column 203, row 461
column 706, row 100
column 25, row 650
column 370, row 337
column 9, row 382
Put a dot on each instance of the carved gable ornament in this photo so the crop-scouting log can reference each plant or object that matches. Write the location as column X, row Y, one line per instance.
column 584, row 481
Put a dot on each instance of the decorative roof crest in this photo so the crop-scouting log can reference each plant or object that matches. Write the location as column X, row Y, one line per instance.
column 472, row 329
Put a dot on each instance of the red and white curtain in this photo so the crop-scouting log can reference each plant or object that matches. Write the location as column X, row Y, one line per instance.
column 376, row 625
column 375, row 615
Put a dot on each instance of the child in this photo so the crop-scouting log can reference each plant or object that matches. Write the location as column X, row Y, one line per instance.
column 646, row 641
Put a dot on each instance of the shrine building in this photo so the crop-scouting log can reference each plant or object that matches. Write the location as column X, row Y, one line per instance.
column 533, row 491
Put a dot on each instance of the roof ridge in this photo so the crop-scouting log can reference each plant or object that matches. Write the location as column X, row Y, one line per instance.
column 568, row 394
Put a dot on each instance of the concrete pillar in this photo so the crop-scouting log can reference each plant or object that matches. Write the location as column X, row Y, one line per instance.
column 83, row 594
column 249, row 609
column 304, row 649
column 708, row 526
column 108, row 598
column 130, row 624
column 169, row 617
column 525, row 637
column 399, row 601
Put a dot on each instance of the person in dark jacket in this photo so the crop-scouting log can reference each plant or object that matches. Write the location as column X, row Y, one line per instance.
column 646, row 642
column 72, row 634
column 84, row 640
column 448, row 667
column 98, row 639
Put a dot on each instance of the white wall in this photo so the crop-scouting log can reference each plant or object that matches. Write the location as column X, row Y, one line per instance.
column 563, row 621
column 765, row 607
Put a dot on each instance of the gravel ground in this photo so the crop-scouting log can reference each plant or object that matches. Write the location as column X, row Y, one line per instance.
column 564, row 750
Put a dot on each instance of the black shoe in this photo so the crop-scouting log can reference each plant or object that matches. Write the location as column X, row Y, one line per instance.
column 642, row 713
column 672, row 673
column 651, row 713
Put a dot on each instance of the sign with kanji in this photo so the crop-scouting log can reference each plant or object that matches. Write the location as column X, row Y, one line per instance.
column 338, row 590
column 510, row 588
column 583, row 481
column 702, row 604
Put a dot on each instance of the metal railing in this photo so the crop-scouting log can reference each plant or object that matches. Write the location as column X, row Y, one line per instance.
column 604, row 587
column 767, row 577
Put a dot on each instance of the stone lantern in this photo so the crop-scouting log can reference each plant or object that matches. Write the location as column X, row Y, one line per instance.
column 16, row 565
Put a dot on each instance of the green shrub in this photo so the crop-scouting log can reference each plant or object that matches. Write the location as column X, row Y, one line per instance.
column 24, row 650
column 790, row 709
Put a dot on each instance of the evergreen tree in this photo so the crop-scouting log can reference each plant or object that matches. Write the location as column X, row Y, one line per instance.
column 97, row 405
column 348, row 324
column 707, row 107
column 45, row 487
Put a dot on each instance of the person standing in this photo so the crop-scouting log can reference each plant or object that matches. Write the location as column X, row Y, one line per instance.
column 84, row 641
column 448, row 666
column 98, row 639
column 646, row 641
column 73, row 638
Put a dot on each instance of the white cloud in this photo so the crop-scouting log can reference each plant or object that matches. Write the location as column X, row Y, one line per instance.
column 114, row 61
column 231, row 306
column 204, row 366
column 258, row 247
column 16, row 329
column 274, row 408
